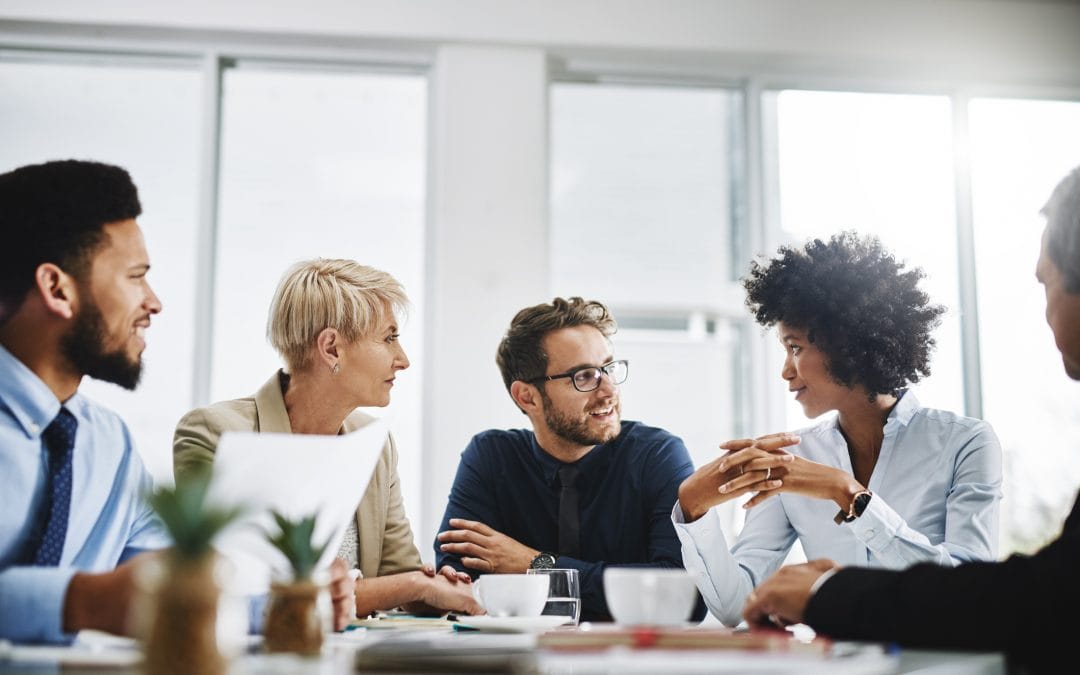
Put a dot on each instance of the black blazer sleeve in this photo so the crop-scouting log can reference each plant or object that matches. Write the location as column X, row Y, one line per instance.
column 1027, row 606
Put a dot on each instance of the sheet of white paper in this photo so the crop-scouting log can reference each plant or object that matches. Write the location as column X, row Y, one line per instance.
column 296, row 475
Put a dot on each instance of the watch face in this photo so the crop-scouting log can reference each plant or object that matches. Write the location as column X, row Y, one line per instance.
column 861, row 502
column 544, row 561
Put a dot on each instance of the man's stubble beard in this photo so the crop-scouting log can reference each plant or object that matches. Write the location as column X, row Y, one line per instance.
column 576, row 430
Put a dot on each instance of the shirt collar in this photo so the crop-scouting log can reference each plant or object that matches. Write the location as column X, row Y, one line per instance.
column 904, row 409
column 31, row 402
column 593, row 460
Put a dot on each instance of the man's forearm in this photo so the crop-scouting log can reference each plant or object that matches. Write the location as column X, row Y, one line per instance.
column 99, row 601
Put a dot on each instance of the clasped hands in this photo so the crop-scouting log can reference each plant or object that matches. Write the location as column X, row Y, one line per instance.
column 450, row 590
column 485, row 549
column 749, row 465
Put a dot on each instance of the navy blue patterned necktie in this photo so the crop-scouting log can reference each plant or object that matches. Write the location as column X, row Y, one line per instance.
column 59, row 438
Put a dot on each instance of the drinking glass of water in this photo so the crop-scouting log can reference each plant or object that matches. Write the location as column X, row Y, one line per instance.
column 564, row 593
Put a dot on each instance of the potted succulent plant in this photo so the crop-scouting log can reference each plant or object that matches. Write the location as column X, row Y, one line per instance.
column 182, row 636
column 298, row 614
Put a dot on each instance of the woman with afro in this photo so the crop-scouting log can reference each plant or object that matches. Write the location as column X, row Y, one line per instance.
column 884, row 483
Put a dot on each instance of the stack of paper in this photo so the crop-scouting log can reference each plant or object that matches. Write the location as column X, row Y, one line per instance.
column 297, row 475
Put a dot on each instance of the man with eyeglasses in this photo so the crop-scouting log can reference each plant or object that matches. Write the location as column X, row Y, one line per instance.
column 583, row 489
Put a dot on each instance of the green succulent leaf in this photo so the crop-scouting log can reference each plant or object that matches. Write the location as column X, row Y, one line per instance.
column 294, row 539
column 187, row 519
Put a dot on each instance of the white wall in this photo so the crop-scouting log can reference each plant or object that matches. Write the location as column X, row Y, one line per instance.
column 1028, row 40
column 487, row 246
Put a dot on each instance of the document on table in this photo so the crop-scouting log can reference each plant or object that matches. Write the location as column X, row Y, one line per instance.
column 91, row 649
column 453, row 653
column 297, row 475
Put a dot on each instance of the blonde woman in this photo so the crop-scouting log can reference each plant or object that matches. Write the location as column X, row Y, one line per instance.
column 335, row 325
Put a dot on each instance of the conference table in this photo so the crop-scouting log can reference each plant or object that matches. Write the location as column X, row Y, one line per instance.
column 447, row 648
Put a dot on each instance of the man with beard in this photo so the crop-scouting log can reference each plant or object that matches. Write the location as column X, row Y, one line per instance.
column 1025, row 605
column 74, row 301
column 583, row 489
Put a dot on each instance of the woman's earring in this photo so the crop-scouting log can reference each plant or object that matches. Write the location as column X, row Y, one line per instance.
column 336, row 369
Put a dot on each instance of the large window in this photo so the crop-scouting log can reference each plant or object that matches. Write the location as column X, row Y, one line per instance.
column 1019, row 151
column 878, row 164
column 641, row 194
column 314, row 161
column 642, row 220
column 144, row 116
column 319, row 164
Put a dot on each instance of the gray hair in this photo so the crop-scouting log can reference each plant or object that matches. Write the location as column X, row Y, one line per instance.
column 1062, row 213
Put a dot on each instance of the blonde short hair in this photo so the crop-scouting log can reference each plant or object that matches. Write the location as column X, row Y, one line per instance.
column 329, row 293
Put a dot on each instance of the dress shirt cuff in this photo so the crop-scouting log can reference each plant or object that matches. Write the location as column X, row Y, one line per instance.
column 820, row 581
column 32, row 603
column 567, row 562
column 702, row 525
column 877, row 526
column 677, row 516
column 702, row 535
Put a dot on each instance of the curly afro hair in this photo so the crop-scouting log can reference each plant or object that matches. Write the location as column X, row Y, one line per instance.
column 858, row 305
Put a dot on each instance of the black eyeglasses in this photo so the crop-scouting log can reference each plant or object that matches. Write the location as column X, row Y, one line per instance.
column 588, row 378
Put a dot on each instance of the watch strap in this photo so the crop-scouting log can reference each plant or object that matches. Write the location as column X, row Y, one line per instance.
column 859, row 502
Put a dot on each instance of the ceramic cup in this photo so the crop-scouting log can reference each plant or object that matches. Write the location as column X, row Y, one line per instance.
column 512, row 594
column 647, row 596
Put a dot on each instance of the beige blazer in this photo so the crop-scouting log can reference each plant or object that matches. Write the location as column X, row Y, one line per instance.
column 386, row 540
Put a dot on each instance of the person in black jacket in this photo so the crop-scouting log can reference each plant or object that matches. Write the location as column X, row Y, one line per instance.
column 1025, row 606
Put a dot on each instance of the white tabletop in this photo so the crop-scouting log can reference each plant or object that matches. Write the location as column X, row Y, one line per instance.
column 454, row 649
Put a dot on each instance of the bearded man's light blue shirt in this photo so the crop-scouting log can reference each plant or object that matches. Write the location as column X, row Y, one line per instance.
column 109, row 521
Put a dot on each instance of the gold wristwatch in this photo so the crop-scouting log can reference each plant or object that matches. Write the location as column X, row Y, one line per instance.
column 858, row 505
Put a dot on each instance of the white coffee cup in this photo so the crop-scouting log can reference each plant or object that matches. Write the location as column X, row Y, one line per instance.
column 649, row 596
column 512, row 594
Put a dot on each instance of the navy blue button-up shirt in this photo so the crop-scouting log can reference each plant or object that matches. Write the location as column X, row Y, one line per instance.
column 626, row 490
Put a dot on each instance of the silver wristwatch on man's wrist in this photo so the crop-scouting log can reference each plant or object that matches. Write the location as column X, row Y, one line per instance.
column 543, row 561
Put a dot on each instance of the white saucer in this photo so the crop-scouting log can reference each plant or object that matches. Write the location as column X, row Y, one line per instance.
column 513, row 624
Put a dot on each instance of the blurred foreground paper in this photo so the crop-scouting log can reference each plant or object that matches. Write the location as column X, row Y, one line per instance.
column 296, row 475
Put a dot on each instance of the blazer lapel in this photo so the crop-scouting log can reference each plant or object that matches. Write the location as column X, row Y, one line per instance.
column 270, row 407
column 370, row 512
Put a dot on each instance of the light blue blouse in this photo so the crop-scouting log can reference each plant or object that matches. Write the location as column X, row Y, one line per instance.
column 937, row 489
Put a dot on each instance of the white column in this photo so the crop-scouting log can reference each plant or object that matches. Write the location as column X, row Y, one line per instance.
column 487, row 246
